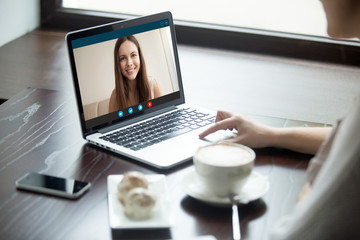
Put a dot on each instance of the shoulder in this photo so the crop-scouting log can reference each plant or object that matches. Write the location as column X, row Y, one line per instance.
column 112, row 97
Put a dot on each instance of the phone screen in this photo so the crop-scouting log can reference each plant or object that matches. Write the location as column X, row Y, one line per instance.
column 52, row 185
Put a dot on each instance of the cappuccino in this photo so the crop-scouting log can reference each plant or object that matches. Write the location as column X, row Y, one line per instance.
column 224, row 155
column 223, row 169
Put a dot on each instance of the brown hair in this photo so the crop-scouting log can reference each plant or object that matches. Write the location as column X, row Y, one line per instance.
column 121, row 85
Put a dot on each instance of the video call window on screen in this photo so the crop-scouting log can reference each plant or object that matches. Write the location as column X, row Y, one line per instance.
column 125, row 73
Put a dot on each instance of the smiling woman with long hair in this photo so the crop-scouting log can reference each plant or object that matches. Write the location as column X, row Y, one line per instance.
column 132, row 84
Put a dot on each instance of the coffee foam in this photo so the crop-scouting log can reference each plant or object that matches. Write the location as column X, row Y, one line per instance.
column 224, row 155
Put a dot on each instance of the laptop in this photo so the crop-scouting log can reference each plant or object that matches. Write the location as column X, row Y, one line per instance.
column 148, row 119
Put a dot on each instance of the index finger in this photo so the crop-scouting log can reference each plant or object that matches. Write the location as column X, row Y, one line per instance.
column 222, row 125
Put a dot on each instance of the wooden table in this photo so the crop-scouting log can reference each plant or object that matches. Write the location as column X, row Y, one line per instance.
column 40, row 133
column 37, row 59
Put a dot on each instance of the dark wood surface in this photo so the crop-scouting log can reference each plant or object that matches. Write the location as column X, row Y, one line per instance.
column 40, row 133
column 37, row 59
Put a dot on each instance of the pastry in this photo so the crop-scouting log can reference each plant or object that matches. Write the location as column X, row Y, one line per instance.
column 131, row 180
column 139, row 203
column 134, row 195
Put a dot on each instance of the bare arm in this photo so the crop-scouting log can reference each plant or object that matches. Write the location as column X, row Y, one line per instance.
column 157, row 90
column 257, row 135
column 300, row 139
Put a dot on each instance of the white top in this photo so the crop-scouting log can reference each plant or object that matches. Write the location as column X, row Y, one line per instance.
column 332, row 208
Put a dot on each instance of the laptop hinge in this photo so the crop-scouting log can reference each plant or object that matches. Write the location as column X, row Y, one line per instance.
column 137, row 119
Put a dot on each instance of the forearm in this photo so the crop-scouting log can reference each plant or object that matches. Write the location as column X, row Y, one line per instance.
column 299, row 139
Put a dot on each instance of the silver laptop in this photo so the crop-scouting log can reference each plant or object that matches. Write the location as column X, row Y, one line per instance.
column 129, row 92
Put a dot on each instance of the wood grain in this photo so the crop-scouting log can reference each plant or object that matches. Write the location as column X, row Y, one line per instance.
column 40, row 133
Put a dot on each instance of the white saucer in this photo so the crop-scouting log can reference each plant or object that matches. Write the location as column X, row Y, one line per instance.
column 162, row 216
column 255, row 188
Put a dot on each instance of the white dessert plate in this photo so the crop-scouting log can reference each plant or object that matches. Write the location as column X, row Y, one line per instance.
column 161, row 218
column 255, row 188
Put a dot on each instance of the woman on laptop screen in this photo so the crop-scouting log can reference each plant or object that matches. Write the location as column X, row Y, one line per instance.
column 132, row 84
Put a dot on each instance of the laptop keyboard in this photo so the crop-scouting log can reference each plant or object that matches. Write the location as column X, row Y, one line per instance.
column 159, row 129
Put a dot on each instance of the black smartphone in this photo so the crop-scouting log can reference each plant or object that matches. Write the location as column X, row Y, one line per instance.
column 56, row 186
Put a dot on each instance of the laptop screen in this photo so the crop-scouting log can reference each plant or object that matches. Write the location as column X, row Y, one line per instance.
column 125, row 69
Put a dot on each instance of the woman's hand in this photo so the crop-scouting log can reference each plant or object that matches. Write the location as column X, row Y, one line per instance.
column 257, row 135
column 249, row 132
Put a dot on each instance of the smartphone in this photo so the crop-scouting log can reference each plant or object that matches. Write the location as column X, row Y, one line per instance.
column 56, row 186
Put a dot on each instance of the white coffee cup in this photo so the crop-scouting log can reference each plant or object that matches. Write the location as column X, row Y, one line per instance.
column 224, row 168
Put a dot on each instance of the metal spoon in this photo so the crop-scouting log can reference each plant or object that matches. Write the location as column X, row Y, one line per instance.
column 235, row 217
